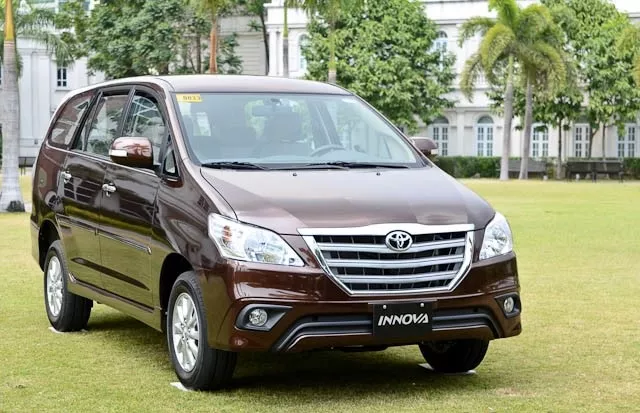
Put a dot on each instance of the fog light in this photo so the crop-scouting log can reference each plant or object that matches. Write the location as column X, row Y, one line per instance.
column 508, row 305
column 258, row 317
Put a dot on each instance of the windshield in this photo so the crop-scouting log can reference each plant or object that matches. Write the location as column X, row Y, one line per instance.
column 288, row 130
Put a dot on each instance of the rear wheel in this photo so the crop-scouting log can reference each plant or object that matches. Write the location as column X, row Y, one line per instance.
column 65, row 310
column 197, row 365
column 456, row 356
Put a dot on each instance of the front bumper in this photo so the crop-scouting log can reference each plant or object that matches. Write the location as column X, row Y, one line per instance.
column 320, row 315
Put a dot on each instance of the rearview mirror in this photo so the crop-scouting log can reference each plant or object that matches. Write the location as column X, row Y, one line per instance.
column 133, row 152
column 425, row 145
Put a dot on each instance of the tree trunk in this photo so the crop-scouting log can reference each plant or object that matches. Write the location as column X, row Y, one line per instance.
column 508, row 119
column 332, row 76
column 604, row 136
column 265, row 38
column 528, row 121
column 11, row 197
column 213, row 46
column 198, row 54
column 285, row 42
column 593, row 133
column 559, row 160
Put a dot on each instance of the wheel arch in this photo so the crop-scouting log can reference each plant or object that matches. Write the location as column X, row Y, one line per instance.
column 173, row 265
column 47, row 234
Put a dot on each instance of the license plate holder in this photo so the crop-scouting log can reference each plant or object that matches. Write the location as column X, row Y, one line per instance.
column 402, row 319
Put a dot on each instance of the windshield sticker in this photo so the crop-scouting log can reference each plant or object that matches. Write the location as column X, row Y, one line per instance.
column 189, row 98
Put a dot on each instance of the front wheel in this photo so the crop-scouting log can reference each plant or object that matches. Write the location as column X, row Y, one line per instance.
column 456, row 356
column 197, row 365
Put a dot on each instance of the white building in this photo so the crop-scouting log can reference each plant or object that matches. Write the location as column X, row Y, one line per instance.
column 43, row 83
column 469, row 128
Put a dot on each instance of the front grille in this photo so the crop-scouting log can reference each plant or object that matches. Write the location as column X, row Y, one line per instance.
column 362, row 263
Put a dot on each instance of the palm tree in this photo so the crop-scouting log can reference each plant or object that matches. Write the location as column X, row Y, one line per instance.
column 31, row 23
column 331, row 10
column 11, row 197
column 212, row 10
column 518, row 41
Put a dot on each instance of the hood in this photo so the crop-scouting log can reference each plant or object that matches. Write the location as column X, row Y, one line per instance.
column 284, row 201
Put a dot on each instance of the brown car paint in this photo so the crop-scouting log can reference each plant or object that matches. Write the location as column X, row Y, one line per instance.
column 125, row 249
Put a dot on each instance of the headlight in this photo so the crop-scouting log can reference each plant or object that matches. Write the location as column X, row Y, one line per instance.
column 247, row 243
column 497, row 238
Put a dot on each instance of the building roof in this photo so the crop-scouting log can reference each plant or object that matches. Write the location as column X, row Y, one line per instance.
column 244, row 83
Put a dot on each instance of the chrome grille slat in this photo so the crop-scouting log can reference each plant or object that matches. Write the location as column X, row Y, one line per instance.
column 421, row 262
column 359, row 260
column 398, row 279
column 377, row 249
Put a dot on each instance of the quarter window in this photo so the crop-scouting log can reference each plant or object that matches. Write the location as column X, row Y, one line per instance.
column 69, row 119
column 105, row 125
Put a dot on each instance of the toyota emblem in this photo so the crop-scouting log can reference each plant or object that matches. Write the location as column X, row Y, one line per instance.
column 399, row 241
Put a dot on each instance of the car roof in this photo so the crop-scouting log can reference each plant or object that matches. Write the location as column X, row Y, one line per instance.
column 247, row 84
column 228, row 83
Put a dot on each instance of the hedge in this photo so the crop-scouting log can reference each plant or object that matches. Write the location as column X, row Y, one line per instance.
column 489, row 167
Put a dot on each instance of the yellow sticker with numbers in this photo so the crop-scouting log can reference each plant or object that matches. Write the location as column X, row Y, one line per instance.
column 189, row 98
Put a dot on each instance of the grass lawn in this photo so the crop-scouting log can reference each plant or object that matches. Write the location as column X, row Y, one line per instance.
column 579, row 262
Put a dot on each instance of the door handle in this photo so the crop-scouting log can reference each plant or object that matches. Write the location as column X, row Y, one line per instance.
column 108, row 189
column 66, row 177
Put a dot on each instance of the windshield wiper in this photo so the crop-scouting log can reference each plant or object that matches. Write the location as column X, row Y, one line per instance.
column 233, row 165
column 353, row 165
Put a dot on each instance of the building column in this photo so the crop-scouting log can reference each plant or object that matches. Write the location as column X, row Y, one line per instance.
column 460, row 149
column 273, row 53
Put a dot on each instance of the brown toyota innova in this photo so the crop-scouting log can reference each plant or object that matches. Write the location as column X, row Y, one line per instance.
column 242, row 213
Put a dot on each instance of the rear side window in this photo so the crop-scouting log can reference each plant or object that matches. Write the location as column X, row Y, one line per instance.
column 69, row 120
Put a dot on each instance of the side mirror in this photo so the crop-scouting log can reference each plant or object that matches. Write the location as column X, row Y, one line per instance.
column 425, row 145
column 133, row 152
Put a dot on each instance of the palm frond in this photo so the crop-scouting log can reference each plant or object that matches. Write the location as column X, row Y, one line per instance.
column 495, row 44
column 546, row 63
column 533, row 21
column 507, row 10
column 472, row 68
column 61, row 50
column 474, row 26
column 36, row 19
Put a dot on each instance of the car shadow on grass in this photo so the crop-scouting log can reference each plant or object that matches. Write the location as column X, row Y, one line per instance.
column 340, row 375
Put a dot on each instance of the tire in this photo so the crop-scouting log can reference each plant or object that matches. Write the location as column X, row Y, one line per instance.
column 456, row 356
column 208, row 368
column 66, row 311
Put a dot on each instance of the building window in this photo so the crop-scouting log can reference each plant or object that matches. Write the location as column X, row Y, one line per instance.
column 61, row 77
column 303, row 42
column 484, row 136
column 540, row 142
column 581, row 134
column 627, row 143
column 440, row 134
column 441, row 42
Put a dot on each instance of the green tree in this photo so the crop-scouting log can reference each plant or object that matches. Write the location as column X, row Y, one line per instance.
column 213, row 9
column 331, row 12
column 39, row 25
column 384, row 53
column 524, row 39
column 256, row 8
column 629, row 42
column 594, row 29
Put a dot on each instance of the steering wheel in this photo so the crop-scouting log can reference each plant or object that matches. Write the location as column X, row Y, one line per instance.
column 326, row 149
